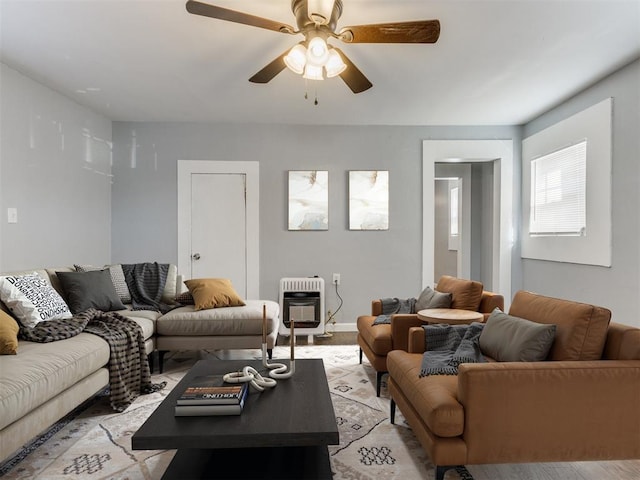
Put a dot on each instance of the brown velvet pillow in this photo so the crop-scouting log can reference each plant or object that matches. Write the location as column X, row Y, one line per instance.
column 8, row 334
column 213, row 293
column 466, row 294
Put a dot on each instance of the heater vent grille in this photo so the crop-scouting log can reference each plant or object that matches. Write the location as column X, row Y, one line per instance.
column 312, row 284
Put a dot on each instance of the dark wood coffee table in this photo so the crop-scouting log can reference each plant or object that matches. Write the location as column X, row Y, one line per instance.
column 282, row 432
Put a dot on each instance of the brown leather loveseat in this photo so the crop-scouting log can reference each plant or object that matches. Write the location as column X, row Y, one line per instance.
column 583, row 403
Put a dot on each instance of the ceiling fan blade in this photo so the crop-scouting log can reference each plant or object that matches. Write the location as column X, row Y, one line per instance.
column 353, row 77
column 422, row 31
column 270, row 71
column 206, row 10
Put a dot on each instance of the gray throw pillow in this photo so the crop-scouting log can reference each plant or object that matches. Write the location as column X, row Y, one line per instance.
column 84, row 290
column 430, row 298
column 117, row 277
column 506, row 338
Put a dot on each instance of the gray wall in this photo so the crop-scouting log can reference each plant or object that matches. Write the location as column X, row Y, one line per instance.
column 618, row 287
column 372, row 264
column 55, row 169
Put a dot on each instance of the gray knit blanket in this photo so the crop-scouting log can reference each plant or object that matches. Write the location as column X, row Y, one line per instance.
column 392, row 306
column 450, row 345
column 146, row 282
column 129, row 374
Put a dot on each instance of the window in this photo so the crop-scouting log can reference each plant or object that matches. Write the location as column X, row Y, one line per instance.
column 558, row 199
column 566, row 189
column 453, row 212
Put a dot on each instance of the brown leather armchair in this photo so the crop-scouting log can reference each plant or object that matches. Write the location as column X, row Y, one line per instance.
column 376, row 341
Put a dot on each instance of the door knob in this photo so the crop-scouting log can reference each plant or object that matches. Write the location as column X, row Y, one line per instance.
column 196, row 256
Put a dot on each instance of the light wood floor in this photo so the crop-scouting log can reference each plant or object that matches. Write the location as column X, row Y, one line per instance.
column 620, row 470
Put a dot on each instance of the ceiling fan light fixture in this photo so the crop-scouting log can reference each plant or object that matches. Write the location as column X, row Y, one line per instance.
column 317, row 52
column 296, row 59
column 335, row 65
column 313, row 72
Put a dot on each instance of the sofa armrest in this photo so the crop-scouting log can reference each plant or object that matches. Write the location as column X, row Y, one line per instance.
column 551, row 411
column 417, row 340
column 376, row 308
column 489, row 302
column 400, row 325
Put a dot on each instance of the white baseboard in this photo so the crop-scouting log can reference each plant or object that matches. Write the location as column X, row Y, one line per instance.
column 342, row 327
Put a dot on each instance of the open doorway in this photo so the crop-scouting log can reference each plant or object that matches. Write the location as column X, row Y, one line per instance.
column 496, row 237
column 463, row 215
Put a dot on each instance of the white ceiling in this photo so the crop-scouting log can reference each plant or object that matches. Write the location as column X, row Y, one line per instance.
column 497, row 62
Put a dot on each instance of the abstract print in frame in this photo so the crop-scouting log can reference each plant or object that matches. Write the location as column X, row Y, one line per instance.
column 308, row 200
column 369, row 200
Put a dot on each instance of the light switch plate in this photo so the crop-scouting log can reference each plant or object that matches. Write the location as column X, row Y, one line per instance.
column 12, row 215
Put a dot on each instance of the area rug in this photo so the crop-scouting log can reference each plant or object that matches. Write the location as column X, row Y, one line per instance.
column 95, row 443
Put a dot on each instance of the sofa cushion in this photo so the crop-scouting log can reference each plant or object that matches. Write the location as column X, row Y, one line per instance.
column 32, row 299
column 377, row 337
column 430, row 298
column 213, row 293
column 506, row 338
column 93, row 289
column 435, row 397
column 117, row 278
column 50, row 369
column 8, row 334
column 245, row 320
column 466, row 294
column 581, row 329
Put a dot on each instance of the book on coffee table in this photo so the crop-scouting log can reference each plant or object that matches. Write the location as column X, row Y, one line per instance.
column 213, row 409
column 212, row 390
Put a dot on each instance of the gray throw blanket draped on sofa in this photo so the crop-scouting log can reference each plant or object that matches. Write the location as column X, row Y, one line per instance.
column 129, row 374
column 450, row 345
column 392, row 306
column 146, row 282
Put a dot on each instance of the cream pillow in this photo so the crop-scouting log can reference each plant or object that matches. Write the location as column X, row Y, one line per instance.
column 32, row 299
column 8, row 334
column 213, row 293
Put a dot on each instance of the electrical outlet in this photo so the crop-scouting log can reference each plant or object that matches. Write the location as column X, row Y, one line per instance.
column 336, row 279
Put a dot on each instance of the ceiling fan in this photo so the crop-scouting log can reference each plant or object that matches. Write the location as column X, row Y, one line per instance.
column 316, row 21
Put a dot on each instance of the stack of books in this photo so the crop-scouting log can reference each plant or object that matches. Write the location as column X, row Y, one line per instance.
column 210, row 395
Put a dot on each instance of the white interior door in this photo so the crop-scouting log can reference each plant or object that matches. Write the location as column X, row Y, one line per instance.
column 218, row 228
column 219, row 222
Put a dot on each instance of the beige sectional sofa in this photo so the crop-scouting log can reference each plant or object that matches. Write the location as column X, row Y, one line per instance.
column 45, row 381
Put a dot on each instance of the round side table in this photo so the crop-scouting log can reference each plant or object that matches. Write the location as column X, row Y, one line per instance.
column 452, row 316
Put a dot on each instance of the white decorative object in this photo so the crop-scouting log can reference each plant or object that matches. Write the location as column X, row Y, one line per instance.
column 31, row 299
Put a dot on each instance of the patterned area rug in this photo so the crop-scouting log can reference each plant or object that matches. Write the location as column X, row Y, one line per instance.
column 95, row 443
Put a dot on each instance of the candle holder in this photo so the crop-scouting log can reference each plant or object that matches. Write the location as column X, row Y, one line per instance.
column 278, row 370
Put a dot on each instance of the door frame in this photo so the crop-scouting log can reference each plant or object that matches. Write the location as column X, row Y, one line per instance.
column 454, row 151
column 251, row 170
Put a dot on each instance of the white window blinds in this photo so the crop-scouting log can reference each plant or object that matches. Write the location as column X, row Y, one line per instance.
column 558, row 192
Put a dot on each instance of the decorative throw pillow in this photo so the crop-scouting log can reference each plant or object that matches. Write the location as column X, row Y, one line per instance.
column 8, row 334
column 430, row 298
column 117, row 277
column 213, row 293
column 86, row 290
column 506, row 338
column 185, row 298
column 32, row 299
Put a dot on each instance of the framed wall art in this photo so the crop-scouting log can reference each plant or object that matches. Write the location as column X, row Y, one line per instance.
column 308, row 200
column 369, row 200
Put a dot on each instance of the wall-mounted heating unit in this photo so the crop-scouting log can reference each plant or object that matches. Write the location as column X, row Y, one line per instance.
column 302, row 302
